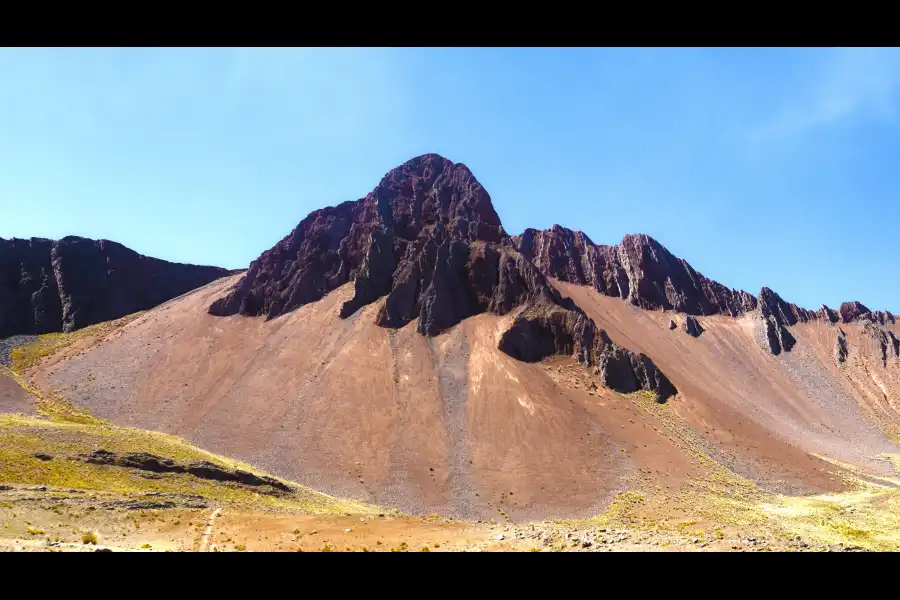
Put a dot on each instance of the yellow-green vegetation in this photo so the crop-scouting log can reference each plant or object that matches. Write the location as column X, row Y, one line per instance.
column 622, row 510
column 866, row 518
column 89, row 538
column 22, row 436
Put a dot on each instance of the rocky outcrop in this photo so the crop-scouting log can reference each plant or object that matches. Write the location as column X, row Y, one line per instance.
column 840, row 348
column 852, row 311
column 778, row 336
column 886, row 343
column 200, row 469
column 410, row 239
column 546, row 328
column 692, row 327
column 64, row 285
column 826, row 314
column 643, row 272
column 777, row 315
column 640, row 270
column 428, row 241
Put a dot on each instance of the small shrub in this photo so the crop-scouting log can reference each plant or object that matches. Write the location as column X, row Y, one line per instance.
column 424, row 549
column 240, row 548
column 89, row 538
column 35, row 531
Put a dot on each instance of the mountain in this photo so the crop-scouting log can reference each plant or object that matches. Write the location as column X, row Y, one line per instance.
column 63, row 285
column 644, row 273
column 405, row 350
column 428, row 240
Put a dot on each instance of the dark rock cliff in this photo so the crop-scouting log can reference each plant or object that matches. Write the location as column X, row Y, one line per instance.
column 63, row 285
column 640, row 270
column 644, row 273
column 428, row 241
column 692, row 326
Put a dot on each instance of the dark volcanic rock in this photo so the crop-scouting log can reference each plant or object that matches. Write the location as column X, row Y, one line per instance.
column 644, row 273
column 692, row 327
column 201, row 469
column 851, row 311
column 772, row 305
column 672, row 324
column 639, row 269
column 544, row 329
column 777, row 315
column 63, row 285
column 840, row 347
column 826, row 314
column 885, row 341
column 778, row 336
column 428, row 241
column 208, row 470
column 408, row 239
column 878, row 316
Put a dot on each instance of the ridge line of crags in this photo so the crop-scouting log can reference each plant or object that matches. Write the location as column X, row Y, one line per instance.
column 428, row 240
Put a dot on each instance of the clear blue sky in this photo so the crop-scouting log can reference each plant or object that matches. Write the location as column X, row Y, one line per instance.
column 774, row 167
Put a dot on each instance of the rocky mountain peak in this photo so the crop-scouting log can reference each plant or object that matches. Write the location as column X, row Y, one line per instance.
column 428, row 241
column 851, row 311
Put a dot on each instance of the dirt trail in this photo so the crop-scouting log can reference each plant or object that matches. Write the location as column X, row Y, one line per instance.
column 207, row 533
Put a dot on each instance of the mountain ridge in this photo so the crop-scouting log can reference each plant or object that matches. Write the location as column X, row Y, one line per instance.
column 63, row 285
column 429, row 241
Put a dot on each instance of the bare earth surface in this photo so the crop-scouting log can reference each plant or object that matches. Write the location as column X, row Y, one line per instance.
column 451, row 426
column 13, row 398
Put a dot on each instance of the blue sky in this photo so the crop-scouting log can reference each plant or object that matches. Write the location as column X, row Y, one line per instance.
column 772, row 167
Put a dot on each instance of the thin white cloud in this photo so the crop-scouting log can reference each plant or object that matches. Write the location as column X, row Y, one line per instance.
column 848, row 83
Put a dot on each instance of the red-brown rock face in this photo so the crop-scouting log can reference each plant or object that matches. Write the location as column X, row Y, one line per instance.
column 422, row 216
column 644, row 273
column 63, row 285
column 639, row 269
column 428, row 240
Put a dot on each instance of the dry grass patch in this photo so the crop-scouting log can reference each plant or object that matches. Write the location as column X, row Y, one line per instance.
column 22, row 436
